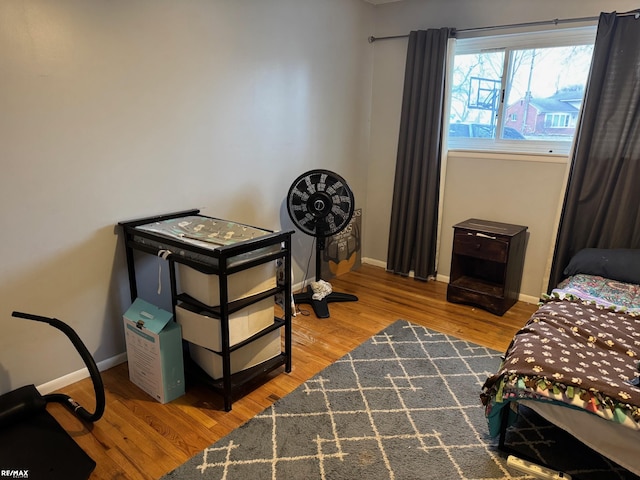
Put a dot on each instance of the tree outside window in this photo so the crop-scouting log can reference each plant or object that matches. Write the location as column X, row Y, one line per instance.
column 525, row 95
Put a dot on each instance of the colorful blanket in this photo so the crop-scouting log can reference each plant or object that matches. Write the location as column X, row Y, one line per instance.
column 575, row 353
column 600, row 290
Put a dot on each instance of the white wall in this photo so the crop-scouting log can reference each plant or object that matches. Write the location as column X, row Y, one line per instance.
column 491, row 187
column 116, row 110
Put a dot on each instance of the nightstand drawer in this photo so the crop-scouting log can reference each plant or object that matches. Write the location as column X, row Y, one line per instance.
column 480, row 246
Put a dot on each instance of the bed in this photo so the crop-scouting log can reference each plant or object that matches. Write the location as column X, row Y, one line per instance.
column 576, row 360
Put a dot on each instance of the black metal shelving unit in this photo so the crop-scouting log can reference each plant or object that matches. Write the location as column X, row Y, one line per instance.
column 219, row 261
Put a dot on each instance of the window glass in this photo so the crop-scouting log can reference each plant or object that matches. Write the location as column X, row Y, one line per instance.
column 475, row 94
column 519, row 92
column 546, row 88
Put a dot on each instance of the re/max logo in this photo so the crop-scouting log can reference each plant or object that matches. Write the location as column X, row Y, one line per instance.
column 14, row 473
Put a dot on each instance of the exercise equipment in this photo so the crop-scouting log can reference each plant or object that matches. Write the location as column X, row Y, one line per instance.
column 32, row 442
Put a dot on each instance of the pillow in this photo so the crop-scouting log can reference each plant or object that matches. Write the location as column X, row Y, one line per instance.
column 622, row 265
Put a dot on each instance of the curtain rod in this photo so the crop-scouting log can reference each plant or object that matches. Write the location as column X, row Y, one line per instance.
column 497, row 27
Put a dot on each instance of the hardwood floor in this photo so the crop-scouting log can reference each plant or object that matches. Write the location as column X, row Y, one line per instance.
column 138, row 438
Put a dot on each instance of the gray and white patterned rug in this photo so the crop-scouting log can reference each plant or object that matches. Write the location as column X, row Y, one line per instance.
column 403, row 405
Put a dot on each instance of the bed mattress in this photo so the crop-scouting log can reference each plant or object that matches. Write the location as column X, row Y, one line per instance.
column 580, row 350
column 577, row 354
column 613, row 440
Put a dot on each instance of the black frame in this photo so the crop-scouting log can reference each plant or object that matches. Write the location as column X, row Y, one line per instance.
column 228, row 384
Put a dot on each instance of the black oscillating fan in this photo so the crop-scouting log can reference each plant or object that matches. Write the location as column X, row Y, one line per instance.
column 321, row 204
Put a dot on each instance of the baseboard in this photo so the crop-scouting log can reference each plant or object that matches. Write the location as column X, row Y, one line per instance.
column 81, row 374
column 445, row 279
column 528, row 298
column 374, row 262
column 522, row 297
column 442, row 278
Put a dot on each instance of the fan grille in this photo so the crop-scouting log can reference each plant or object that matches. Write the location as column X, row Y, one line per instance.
column 320, row 203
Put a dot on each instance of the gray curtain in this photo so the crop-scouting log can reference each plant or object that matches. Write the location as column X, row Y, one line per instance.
column 601, row 205
column 414, row 211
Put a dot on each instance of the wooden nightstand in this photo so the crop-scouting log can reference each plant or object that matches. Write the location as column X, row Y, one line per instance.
column 486, row 264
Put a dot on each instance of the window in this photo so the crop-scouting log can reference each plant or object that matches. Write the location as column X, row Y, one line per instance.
column 518, row 92
column 557, row 120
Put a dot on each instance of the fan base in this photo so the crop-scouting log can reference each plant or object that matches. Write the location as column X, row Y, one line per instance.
column 321, row 307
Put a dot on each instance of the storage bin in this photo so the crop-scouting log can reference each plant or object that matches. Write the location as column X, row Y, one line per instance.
column 206, row 331
column 248, row 356
column 206, row 288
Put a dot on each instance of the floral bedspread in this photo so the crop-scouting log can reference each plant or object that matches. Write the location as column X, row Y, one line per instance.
column 602, row 291
column 572, row 352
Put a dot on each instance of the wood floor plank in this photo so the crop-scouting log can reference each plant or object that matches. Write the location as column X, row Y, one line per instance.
column 139, row 438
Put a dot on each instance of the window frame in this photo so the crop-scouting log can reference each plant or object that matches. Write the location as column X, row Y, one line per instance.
column 507, row 42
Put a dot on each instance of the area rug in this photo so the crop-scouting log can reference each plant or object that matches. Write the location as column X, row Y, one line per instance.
column 403, row 405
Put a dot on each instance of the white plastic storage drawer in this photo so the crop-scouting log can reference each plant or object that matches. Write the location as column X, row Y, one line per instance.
column 205, row 331
column 206, row 288
column 250, row 355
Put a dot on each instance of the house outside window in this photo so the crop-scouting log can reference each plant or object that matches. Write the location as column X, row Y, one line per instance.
column 520, row 93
